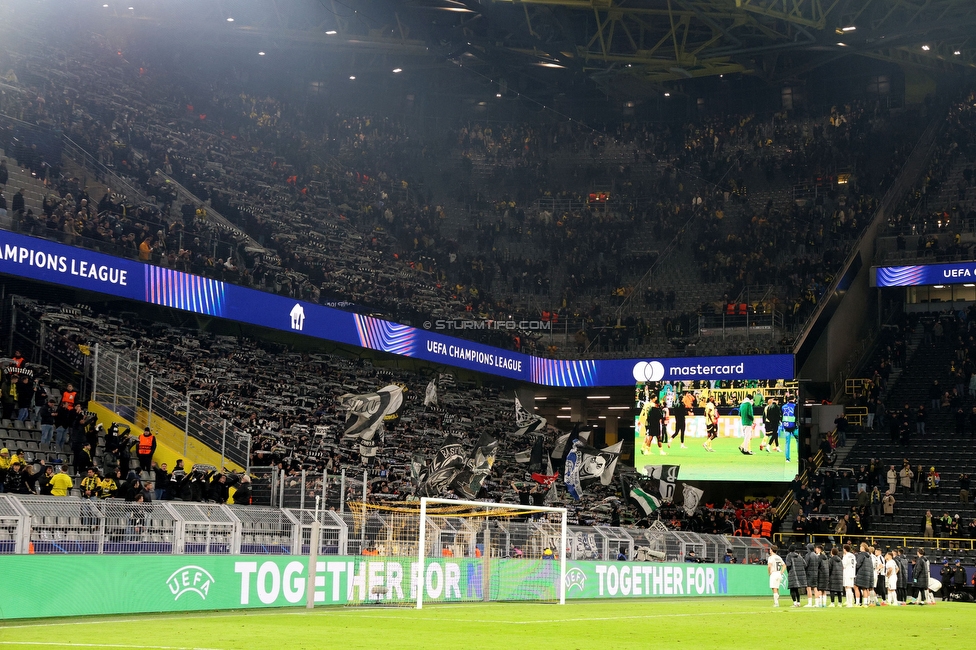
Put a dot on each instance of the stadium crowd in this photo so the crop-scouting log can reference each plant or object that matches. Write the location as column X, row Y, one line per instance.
column 336, row 207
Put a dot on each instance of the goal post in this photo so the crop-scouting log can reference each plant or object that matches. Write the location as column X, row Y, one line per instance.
column 414, row 553
column 501, row 561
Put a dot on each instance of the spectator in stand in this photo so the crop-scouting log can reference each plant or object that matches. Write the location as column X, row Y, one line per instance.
column 161, row 480
column 90, row 484
column 43, row 480
column 921, row 416
column 61, row 483
column 48, row 419
column 17, row 479
column 4, row 466
column 25, row 398
column 83, row 459
column 242, row 497
column 928, row 524
column 905, row 476
column 964, row 488
column 932, row 481
column 892, row 479
column 840, row 422
column 889, row 504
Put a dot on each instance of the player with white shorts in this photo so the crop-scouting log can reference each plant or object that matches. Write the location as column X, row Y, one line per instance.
column 849, row 563
column 775, row 567
column 891, row 579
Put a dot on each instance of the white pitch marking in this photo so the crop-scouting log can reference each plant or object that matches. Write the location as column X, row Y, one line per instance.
column 62, row 644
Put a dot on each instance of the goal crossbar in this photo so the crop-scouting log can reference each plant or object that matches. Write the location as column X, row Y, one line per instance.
column 516, row 508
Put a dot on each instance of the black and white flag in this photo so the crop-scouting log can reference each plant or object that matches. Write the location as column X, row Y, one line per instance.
column 477, row 467
column 365, row 414
column 585, row 464
column 692, row 496
column 443, row 468
column 666, row 477
column 526, row 419
column 430, row 395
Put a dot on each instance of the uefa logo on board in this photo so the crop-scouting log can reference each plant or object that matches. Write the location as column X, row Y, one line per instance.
column 190, row 578
column 575, row 578
column 648, row 371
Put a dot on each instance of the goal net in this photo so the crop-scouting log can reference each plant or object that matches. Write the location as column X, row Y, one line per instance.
column 444, row 550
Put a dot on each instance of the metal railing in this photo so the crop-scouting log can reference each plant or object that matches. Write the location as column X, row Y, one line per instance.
column 137, row 395
column 904, row 541
column 70, row 525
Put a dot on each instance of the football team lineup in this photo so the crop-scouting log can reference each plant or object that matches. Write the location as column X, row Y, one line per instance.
column 733, row 623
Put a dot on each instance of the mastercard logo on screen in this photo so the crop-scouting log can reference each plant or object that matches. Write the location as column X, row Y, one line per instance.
column 648, row 371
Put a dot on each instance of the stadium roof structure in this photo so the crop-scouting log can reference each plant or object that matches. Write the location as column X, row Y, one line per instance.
column 619, row 45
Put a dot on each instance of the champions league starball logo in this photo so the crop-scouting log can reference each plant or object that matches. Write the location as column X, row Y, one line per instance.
column 575, row 578
column 648, row 371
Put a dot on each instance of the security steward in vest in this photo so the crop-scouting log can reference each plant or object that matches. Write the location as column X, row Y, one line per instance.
column 145, row 449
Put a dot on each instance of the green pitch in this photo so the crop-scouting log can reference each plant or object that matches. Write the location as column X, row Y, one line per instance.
column 727, row 623
column 726, row 463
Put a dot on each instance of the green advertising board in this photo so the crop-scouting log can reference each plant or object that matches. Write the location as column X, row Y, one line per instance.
column 99, row 584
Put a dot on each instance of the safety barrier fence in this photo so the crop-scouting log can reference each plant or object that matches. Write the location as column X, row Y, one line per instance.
column 46, row 525
column 882, row 541
column 135, row 394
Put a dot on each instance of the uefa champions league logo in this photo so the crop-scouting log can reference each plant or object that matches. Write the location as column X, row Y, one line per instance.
column 190, row 578
column 648, row 371
column 575, row 578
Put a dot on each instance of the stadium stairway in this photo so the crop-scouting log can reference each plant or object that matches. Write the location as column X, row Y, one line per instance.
column 950, row 453
column 34, row 190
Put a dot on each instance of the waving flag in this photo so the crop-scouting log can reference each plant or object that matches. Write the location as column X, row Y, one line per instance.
column 438, row 476
column 526, row 419
column 476, row 468
column 665, row 477
column 430, row 395
column 585, row 464
column 644, row 500
column 692, row 496
column 365, row 414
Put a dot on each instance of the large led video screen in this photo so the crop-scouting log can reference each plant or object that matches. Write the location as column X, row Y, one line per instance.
column 721, row 455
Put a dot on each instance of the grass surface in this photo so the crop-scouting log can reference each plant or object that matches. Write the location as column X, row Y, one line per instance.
column 734, row 623
column 726, row 463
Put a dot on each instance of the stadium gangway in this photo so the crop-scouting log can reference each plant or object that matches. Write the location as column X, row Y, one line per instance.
column 268, row 531
column 14, row 527
column 333, row 532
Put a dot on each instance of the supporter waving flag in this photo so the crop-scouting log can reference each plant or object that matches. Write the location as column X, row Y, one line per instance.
column 469, row 479
column 585, row 464
column 443, row 469
column 430, row 396
column 365, row 413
